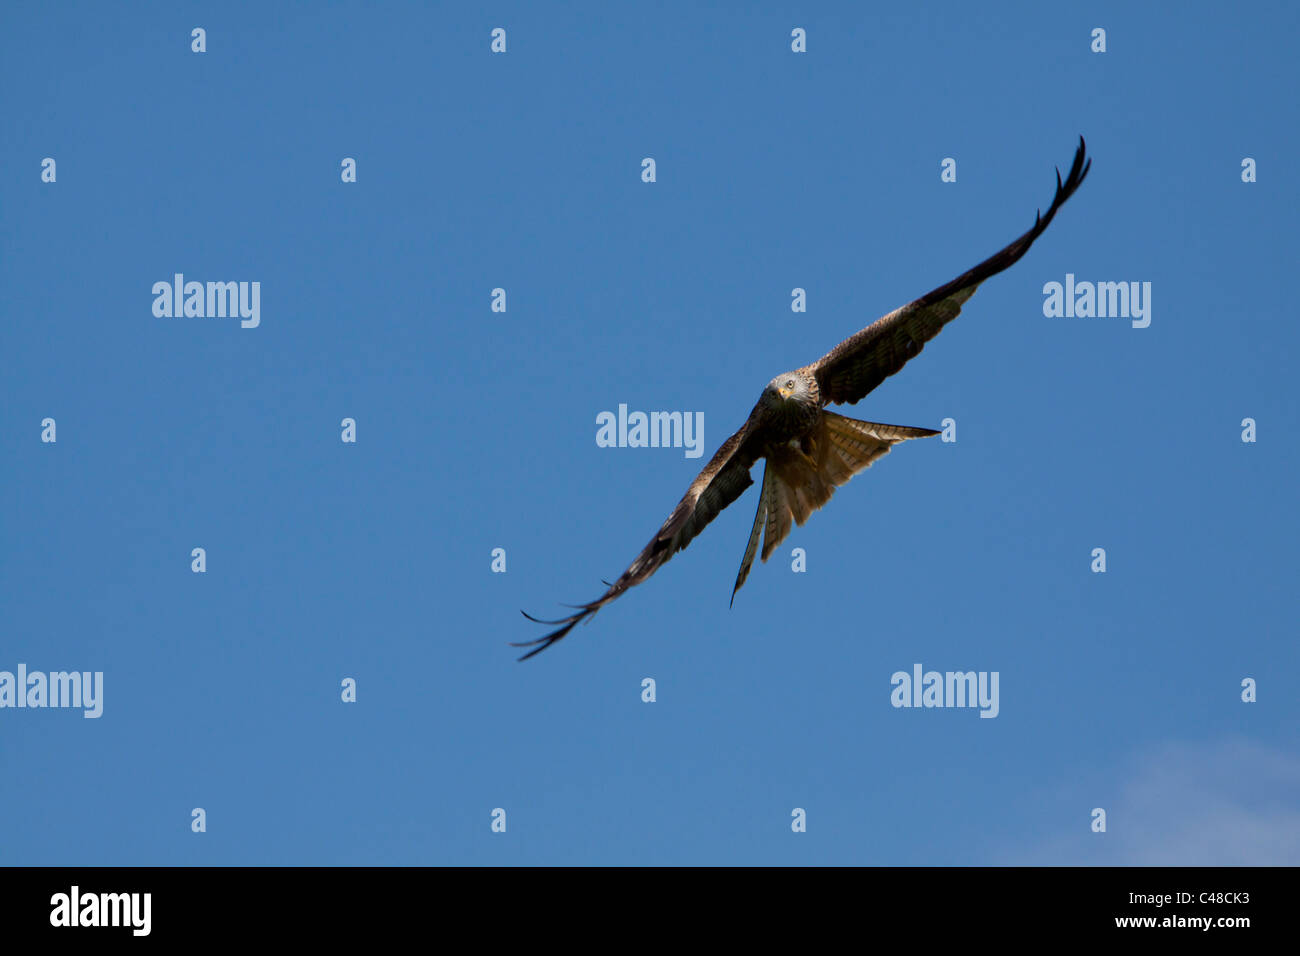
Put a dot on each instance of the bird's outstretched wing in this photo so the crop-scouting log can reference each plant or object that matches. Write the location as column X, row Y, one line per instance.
column 862, row 361
column 722, row 481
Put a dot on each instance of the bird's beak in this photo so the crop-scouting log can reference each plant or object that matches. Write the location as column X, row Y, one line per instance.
column 783, row 392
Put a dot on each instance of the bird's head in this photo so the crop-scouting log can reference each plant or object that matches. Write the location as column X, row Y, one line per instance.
column 789, row 387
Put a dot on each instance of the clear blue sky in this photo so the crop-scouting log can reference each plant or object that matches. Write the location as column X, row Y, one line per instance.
column 476, row 430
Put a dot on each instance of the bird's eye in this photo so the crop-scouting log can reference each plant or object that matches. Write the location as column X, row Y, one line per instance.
column 790, row 384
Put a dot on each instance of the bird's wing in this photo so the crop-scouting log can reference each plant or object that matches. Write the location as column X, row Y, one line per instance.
column 722, row 481
column 862, row 361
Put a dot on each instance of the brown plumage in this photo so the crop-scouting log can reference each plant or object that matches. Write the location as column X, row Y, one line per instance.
column 810, row 451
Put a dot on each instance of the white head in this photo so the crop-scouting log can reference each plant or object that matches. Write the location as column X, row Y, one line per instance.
column 789, row 387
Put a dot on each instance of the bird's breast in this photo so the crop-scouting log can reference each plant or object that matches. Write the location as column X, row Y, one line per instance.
column 791, row 423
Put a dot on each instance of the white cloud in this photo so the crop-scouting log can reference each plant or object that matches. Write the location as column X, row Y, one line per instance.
column 1228, row 802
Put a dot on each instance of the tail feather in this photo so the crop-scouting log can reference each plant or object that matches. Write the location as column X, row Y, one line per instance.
column 765, row 500
column 780, row 512
column 805, row 477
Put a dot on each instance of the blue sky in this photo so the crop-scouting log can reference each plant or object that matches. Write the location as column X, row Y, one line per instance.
column 476, row 430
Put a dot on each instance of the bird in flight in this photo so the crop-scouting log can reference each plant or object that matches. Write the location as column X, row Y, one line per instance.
column 808, row 450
